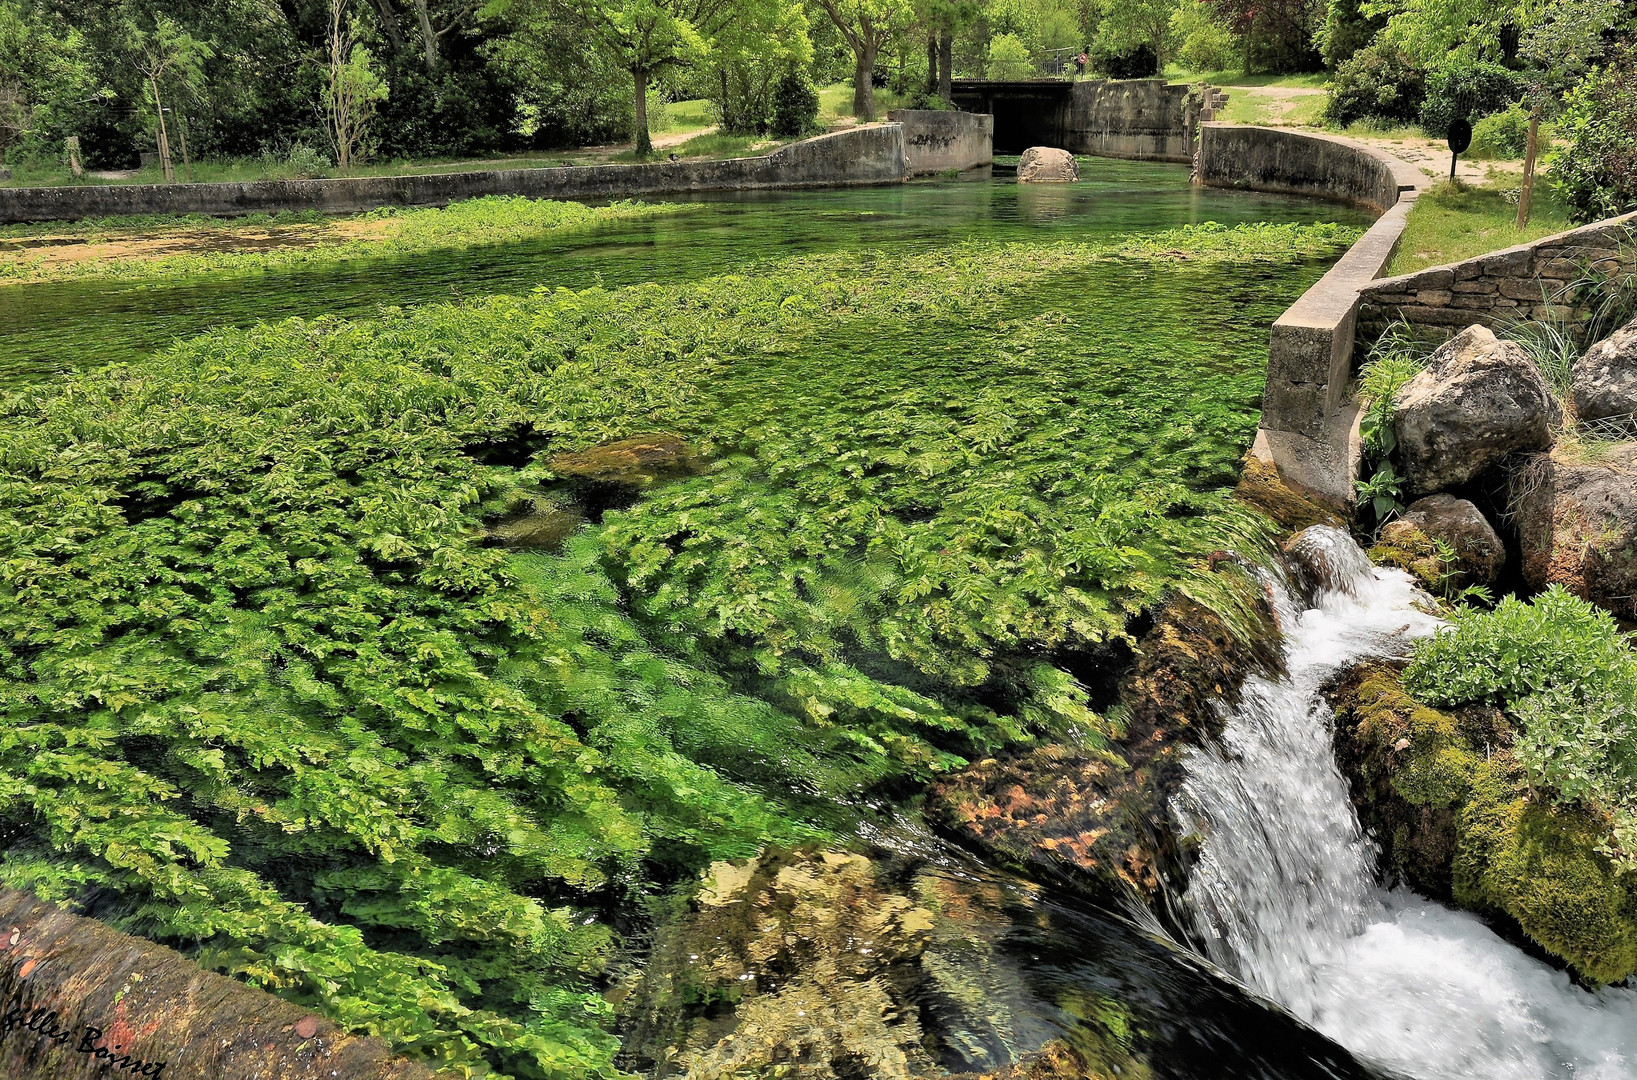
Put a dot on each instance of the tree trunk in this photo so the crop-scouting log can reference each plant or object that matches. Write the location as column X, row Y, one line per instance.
column 162, row 143
column 645, row 145
column 863, row 86
column 389, row 23
column 946, row 63
column 1529, row 167
column 182, row 136
column 63, row 975
column 428, row 35
column 931, row 62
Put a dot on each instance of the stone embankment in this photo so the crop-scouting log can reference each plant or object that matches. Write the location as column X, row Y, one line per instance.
column 871, row 154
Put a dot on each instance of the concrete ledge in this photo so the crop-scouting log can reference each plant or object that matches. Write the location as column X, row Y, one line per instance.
column 938, row 140
column 873, row 154
column 1309, row 430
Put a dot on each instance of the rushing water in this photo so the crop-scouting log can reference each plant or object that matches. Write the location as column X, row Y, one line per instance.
column 53, row 327
column 1284, row 895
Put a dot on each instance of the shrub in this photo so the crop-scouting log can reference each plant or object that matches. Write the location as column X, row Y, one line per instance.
column 1564, row 670
column 1502, row 135
column 1204, row 44
column 1469, row 90
column 1008, row 58
column 1346, row 30
column 795, row 106
column 1380, row 83
column 1596, row 167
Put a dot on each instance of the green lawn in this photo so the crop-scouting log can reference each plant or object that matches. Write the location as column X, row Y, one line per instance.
column 1455, row 221
column 1229, row 79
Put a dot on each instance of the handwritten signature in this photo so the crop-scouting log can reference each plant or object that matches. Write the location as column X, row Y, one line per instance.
column 45, row 1023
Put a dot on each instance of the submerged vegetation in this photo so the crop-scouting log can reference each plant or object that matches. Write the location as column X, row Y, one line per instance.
column 300, row 239
column 303, row 675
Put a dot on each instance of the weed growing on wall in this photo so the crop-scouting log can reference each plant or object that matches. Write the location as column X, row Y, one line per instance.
column 276, row 696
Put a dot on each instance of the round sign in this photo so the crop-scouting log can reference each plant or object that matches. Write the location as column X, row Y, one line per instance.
column 1460, row 135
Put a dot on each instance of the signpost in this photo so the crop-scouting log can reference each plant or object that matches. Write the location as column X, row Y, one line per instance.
column 1460, row 137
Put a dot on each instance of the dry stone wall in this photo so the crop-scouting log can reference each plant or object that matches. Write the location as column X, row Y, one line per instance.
column 1542, row 280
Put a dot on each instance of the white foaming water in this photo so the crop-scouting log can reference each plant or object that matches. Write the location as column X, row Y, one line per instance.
column 1284, row 894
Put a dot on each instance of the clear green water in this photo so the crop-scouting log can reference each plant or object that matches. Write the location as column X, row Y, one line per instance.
column 55, row 327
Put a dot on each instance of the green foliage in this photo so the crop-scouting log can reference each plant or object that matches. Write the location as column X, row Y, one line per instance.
column 1346, row 30
column 1500, row 136
column 1470, row 90
column 1380, row 83
column 1566, row 672
column 1393, row 362
column 1203, row 42
column 492, row 219
column 274, row 695
column 1008, row 58
column 795, row 106
column 1596, row 168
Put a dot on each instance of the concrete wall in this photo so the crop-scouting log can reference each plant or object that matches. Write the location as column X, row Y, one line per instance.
column 1141, row 119
column 1530, row 281
column 1299, row 163
column 873, row 154
column 937, row 140
column 1309, row 430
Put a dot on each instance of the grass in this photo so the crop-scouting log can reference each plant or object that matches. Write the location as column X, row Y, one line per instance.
column 1229, row 79
column 1456, row 221
column 692, row 115
column 836, row 103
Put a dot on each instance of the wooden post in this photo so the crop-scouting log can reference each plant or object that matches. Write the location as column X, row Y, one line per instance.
column 74, row 166
column 1529, row 167
column 182, row 134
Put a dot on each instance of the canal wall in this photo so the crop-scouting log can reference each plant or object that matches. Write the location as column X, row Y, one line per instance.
column 1309, row 426
column 871, row 154
column 1136, row 119
column 940, row 140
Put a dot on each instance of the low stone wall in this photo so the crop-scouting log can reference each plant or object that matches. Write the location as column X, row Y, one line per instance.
column 1302, row 163
column 1531, row 281
column 1139, row 119
column 938, row 140
column 873, row 154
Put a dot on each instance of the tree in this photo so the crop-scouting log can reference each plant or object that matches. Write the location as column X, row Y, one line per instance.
column 866, row 25
column 1130, row 24
column 353, row 89
column 647, row 38
column 749, row 58
column 944, row 19
column 168, row 57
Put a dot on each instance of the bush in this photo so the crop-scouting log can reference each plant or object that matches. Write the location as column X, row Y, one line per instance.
column 1564, row 670
column 1008, row 58
column 795, row 106
column 1469, row 90
column 1596, row 169
column 1503, row 135
column 1381, row 83
column 1346, row 30
column 300, row 162
column 1204, row 43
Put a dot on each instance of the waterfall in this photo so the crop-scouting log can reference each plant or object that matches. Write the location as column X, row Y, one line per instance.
column 1284, row 895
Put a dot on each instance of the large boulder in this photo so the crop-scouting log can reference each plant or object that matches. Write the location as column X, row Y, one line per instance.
column 1047, row 165
column 1479, row 400
column 1577, row 526
column 1414, row 537
column 1605, row 379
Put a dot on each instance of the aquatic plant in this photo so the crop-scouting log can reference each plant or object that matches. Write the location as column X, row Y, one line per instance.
column 275, row 691
column 390, row 231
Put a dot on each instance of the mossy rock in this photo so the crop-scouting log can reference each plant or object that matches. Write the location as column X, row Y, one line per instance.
column 637, row 462
column 1261, row 486
column 1453, row 815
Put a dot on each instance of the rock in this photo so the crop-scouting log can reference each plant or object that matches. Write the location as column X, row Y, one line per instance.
column 5, row 173
column 1452, row 814
column 541, row 525
column 1605, row 379
column 1577, row 526
column 1479, row 553
column 1479, row 400
column 1261, row 486
column 637, row 462
column 1047, row 165
column 1325, row 559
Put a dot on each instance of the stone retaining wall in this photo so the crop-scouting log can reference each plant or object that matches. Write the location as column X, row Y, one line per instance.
column 938, row 140
column 873, row 154
column 1139, row 119
column 1543, row 279
column 1302, row 163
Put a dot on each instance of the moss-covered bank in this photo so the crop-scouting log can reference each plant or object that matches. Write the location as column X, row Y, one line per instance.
column 1445, row 797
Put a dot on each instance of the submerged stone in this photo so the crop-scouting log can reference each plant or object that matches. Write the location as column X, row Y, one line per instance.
column 1454, row 817
column 636, row 462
